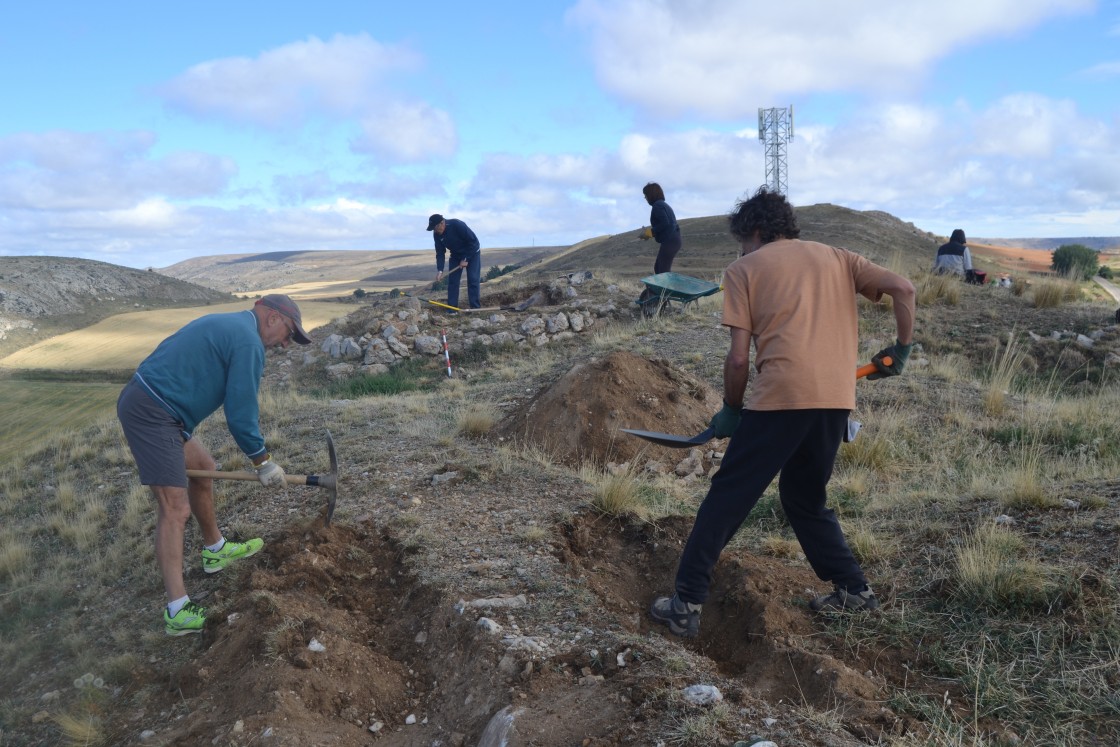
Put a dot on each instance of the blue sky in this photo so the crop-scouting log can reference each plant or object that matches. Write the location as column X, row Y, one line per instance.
column 143, row 134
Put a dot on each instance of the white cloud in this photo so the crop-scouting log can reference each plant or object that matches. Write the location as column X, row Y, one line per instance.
column 1025, row 126
column 65, row 170
column 150, row 215
column 724, row 57
column 1109, row 69
column 284, row 86
column 402, row 132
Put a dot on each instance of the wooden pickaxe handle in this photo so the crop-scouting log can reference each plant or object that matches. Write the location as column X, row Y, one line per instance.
column 319, row 481
column 870, row 368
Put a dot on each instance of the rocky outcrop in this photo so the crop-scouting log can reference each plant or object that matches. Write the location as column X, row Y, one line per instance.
column 37, row 287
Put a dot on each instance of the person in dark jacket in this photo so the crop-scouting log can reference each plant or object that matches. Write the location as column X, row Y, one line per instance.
column 454, row 236
column 953, row 257
column 215, row 361
column 663, row 228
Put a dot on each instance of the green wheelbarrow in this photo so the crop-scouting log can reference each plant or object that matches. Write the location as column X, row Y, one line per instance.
column 666, row 288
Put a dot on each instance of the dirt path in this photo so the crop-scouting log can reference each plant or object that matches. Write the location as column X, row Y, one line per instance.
column 1112, row 288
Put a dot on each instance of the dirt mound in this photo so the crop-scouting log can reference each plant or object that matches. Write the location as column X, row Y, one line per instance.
column 577, row 419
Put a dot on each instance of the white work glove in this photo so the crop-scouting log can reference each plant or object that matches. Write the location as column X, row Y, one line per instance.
column 271, row 475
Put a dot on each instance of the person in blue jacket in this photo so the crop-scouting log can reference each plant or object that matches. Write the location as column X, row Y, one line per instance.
column 663, row 228
column 215, row 361
column 454, row 236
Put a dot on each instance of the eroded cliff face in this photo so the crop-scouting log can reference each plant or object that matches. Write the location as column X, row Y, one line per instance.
column 36, row 287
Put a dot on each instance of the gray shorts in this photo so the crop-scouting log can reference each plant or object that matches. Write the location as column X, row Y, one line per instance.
column 154, row 436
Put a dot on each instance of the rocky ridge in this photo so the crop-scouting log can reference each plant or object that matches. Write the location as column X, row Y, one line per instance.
column 37, row 289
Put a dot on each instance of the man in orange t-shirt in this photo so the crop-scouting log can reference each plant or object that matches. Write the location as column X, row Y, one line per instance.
column 796, row 300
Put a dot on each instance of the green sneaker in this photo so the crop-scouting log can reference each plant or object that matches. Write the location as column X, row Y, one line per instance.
column 190, row 619
column 212, row 562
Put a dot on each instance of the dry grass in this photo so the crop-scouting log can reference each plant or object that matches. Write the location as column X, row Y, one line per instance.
column 1008, row 363
column 615, row 494
column 1053, row 292
column 477, row 420
column 990, row 574
column 80, row 729
column 932, row 289
column 14, row 556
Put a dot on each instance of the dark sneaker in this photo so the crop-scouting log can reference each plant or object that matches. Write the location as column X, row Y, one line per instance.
column 212, row 562
column 190, row 619
column 682, row 618
column 842, row 600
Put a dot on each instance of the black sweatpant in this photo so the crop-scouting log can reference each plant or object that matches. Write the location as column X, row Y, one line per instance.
column 802, row 444
column 666, row 253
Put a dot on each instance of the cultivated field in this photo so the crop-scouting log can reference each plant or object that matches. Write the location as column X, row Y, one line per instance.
column 122, row 341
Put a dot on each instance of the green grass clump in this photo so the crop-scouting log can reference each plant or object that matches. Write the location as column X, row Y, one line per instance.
column 409, row 375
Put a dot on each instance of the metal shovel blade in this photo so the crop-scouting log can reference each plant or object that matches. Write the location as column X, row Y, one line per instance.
column 672, row 441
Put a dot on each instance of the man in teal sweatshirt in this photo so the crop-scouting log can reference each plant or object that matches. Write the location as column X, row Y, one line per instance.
column 215, row 361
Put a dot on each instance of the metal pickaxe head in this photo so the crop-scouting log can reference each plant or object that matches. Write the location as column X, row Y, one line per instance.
column 328, row 482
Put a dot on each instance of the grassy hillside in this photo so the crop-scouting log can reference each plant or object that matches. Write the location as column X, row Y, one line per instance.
column 122, row 341
column 72, row 379
column 708, row 248
column 36, row 411
column 319, row 274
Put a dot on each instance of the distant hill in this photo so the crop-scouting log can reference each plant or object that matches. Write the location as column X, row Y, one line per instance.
column 1100, row 243
column 709, row 248
column 40, row 296
column 250, row 273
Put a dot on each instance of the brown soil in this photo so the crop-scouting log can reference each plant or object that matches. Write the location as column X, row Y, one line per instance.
column 397, row 644
column 578, row 418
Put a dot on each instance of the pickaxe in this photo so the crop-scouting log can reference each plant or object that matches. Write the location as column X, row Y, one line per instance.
column 329, row 481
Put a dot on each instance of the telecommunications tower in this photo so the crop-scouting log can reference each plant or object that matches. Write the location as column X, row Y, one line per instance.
column 775, row 129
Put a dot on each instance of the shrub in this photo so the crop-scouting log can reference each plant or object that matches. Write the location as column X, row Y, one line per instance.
column 1075, row 261
column 359, row 293
column 496, row 272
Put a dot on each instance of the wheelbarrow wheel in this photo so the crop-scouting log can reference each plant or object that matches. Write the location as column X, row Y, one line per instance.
column 652, row 304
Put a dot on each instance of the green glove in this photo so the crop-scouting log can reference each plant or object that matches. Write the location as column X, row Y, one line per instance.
column 898, row 353
column 726, row 421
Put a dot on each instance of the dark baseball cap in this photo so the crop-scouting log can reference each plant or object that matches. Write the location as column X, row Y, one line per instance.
column 434, row 220
column 287, row 307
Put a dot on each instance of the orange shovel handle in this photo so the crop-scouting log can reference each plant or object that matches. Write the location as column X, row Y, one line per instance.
column 871, row 368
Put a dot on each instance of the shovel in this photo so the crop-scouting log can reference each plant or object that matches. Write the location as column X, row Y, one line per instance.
column 706, row 435
column 328, row 482
column 530, row 301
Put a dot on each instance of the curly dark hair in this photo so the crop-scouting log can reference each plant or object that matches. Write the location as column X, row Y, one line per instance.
column 767, row 212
